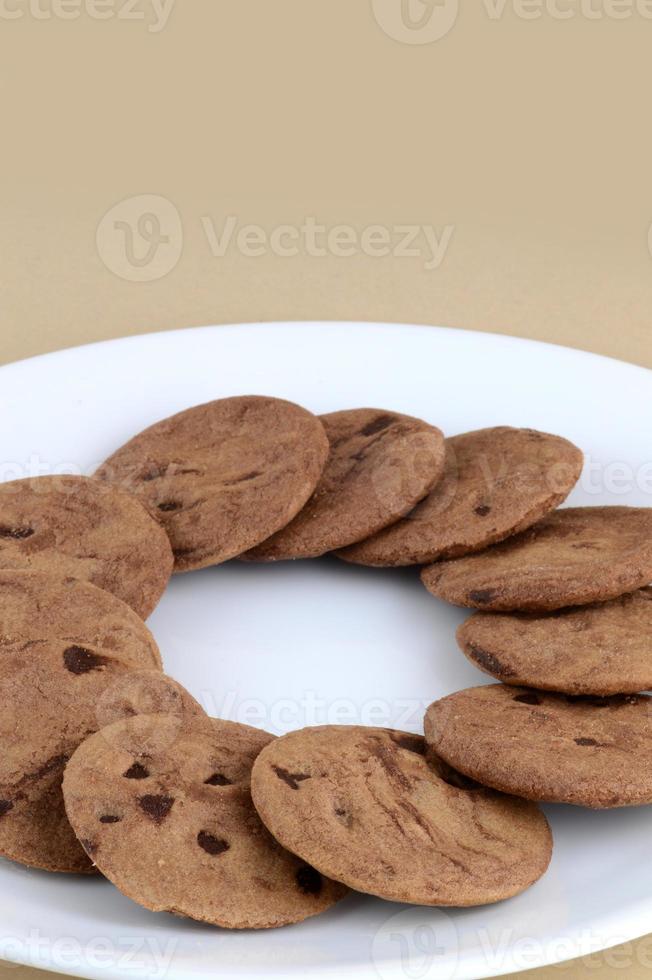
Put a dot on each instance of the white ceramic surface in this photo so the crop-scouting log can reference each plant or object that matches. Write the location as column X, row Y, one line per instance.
column 287, row 645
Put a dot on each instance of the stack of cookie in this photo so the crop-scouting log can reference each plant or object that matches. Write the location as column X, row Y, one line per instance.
column 109, row 765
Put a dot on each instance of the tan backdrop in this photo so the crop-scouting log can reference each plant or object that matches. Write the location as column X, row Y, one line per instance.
column 483, row 165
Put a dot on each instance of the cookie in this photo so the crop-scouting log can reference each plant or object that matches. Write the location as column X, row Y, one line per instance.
column 75, row 526
column 601, row 649
column 496, row 482
column 572, row 557
column 224, row 476
column 184, row 836
column 63, row 645
column 380, row 465
column 364, row 806
column 592, row 752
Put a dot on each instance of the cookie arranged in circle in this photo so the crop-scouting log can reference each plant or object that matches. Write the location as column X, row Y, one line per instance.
column 601, row 649
column 572, row 557
column 184, row 836
column 592, row 752
column 75, row 526
column 224, row 476
column 380, row 465
column 496, row 482
column 364, row 806
column 63, row 644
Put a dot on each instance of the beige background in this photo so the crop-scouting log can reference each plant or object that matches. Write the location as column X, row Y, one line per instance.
column 525, row 140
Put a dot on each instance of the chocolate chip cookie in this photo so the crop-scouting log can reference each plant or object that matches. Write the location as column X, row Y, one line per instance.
column 75, row 526
column 181, row 835
column 380, row 465
column 364, row 806
column 573, row 557
column 496, row 482
column 601, row 649
column 224, row 476
column 593, row 752
column 63, row 644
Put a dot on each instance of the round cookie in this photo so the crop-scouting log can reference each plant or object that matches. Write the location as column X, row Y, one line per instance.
column 75, row 526
column 380, row 465
column 224, row 476
column 63, row 644
column 601, row 649
column 365, row 807
column 185, row 837
column 573, row 557
column 496, row 482
column 592, row 752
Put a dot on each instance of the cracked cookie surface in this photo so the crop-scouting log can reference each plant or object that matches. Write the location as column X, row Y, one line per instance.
column 63, row 646
column 575, row 556
column 496, row 482
column 600, row 649
column 364, row 806
column 224, row 476
column 379, row 466
column 592, row 752
column 175, row 829
column 75, row 526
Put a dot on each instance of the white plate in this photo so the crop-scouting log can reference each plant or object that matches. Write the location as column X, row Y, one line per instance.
column 287, row 645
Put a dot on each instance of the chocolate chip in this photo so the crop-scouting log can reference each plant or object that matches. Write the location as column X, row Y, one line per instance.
column 212, row 845
column 529, row 698
column 80, row 660
column 109, row 818
column 378, row 424
column 482, row 510
column 292, row 779
column 482, row 595
column 243, row 479
column 217, row 779
column 136, row 771
column 309, row 881
column 5, row 807
column 585, row 741
column 490, row 661
column 16, row 533
column 169, row 505
column 156, row 807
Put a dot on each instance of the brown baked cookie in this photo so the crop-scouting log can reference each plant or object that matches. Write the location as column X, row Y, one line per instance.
column 224, row 476
column 75, row 526
column 183, row 836
column 601, row 649
column 63, row 644
column 365, row 807
column 594, row 752
column 496, row 482
column 572, row 557
column 380, row 465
